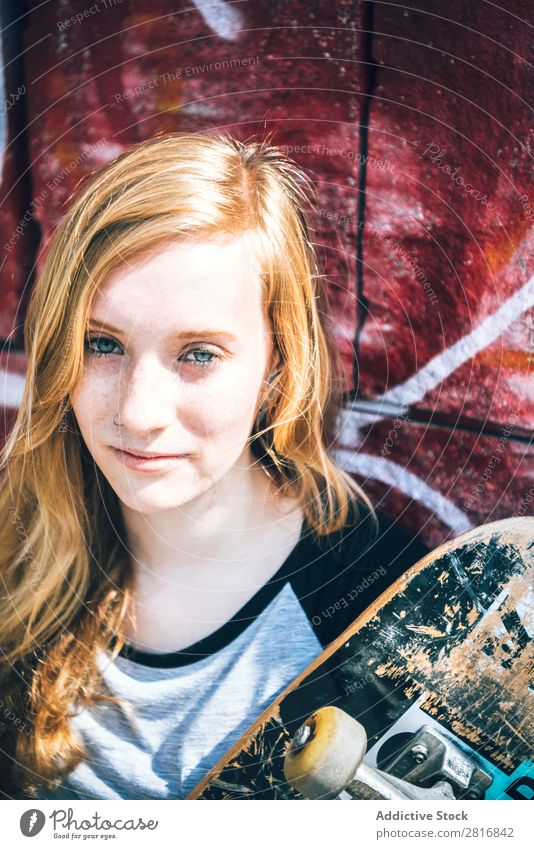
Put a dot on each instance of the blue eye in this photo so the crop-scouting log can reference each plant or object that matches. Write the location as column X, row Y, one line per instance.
column 97, row 340
column 204, row 352
column 202, row 363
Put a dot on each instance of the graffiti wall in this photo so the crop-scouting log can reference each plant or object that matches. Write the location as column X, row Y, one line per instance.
column 413, row 123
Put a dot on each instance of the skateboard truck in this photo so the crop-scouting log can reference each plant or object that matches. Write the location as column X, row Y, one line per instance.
column 325, row 761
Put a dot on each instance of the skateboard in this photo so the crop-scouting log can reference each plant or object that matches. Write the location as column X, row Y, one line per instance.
column 429, row 694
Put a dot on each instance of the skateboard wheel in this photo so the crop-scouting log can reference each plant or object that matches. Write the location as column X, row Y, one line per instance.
column 325, row 753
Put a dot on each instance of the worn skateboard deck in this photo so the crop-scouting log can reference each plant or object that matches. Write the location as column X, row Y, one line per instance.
column 449, row 646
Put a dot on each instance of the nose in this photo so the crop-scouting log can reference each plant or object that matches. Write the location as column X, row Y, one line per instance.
column 146, row 397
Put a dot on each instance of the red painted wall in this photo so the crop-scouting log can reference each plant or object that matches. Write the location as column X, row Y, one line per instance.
column 413, row 123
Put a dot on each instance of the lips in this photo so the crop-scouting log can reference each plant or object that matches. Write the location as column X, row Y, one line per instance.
column 147, row 454
column 152, row 463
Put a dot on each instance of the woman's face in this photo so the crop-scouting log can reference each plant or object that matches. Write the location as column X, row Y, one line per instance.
column 182, row 370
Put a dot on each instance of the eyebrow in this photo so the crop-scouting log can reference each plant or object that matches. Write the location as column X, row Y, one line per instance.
column 182, row 334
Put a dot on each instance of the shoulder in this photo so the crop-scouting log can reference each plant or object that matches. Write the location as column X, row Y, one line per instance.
column 346, row 571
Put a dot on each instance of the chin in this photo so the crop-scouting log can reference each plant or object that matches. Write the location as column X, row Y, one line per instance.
column 150, row 503
column 157, row 494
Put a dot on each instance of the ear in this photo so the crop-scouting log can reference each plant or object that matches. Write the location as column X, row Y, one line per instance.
column 270, row 372
column 276, row 360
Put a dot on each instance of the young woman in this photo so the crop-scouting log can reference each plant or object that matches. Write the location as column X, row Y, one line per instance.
column 179, row 544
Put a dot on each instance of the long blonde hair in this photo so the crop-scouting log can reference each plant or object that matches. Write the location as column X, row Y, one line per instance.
column 64, row 565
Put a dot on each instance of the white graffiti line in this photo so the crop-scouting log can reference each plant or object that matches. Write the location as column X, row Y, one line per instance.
column 442, row 365
column 386, row 471
column 222, row 18
column 11, row 389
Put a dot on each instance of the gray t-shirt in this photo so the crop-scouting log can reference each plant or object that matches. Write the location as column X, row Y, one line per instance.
column 189, row 707
column 186, row 718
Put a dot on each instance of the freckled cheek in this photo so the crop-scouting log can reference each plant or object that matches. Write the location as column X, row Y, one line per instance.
column 91, row 404
column 222, row 412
